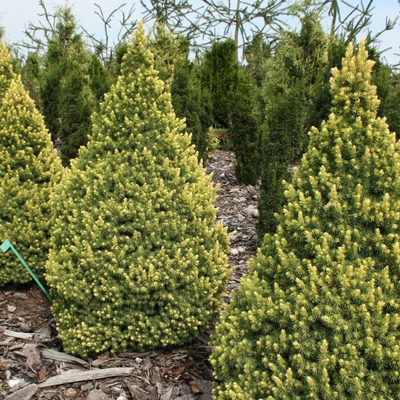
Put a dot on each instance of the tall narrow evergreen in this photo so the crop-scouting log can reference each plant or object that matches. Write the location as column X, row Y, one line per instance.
column 318, row 317
column 192, row 102
column 245, row 128
column 66, row 92
column 291, row 94
column 138, row 260
column 29, row 169
column 219, row 73
column 189, row 99
column 31, row 77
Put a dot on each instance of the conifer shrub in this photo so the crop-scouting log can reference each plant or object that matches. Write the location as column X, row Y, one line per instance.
column 318, row 316
column 219, row 74
column 189, row 99
column 67, row 95
column 245, row 128
column 192, row 102
column 294, row 100
column 138, row 260
column 29, row 169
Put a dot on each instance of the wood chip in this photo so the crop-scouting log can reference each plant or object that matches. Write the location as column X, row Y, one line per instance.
column 195, row 389
column 154, row 394
column 42, row 374
column 25, row 393
column 81, row 376
column 136, row 392
column 59, row 356
column 19, row 335
column 167, row 394
column 32, row 356
column 5, row 364
column 182, row 368
column 97, row 394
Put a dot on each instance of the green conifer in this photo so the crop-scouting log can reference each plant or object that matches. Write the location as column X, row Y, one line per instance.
column 245, row 128
column 66, row 91
column 29, row 168
column 293, row 98
column 192, row 102
column 31, row 76
column 138, row 260
column 318, row 316
column 219, row 74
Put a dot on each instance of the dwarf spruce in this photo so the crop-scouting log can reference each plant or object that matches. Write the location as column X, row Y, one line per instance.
column 29, row 169
column 318, row 315
column 138, row 260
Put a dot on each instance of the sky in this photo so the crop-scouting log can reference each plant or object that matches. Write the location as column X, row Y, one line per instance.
column 15, row 16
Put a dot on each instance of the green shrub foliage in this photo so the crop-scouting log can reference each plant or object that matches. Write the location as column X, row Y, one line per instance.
column 138, row 260
column 293, row 97
column 245, row 128
column 192, row 102
column 29, row 168
column 391, row 108
column 66, row 91
column 219, row 73
column 31, row 76
column 318, row 315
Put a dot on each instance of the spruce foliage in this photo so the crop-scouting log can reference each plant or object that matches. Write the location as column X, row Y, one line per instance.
column 318, row 316
column 137, row 259
column 294, row 97
column 29, row 169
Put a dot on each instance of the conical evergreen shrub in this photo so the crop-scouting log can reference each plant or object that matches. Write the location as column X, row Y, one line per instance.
column 29, row 169
column 138, row 260
column 318, row 316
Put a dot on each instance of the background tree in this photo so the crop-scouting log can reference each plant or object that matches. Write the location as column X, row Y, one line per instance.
column 355, row 19
column 256, row 53
column 219, row 74
column 294, row 80
column 390, row 107
column 177, row 16
column 244, row 19
column 103, row 47
column 100, row 78
column 66, row 94
column 386, row 82
column 245, row 127
column 29, row 169
column 138, row 260
column 192, row 101
column 189, row 98
column 31, row 77
column 318, row 316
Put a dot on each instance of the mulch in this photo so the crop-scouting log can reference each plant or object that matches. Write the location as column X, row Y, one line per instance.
column 33, row 365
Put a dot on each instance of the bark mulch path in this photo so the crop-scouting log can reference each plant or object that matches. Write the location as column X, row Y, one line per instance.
column 33, row 366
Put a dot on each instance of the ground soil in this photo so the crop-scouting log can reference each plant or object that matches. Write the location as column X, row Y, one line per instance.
column 31, row 354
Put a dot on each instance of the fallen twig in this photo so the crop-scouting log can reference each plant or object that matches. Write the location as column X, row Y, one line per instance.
column 80, row 376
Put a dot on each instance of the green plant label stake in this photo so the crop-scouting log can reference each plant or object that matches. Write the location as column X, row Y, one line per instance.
column 8, row 245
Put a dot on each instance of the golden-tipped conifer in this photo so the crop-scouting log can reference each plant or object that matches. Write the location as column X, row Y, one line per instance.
column 138, row 260
column 29, row 169
column 318, row 316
